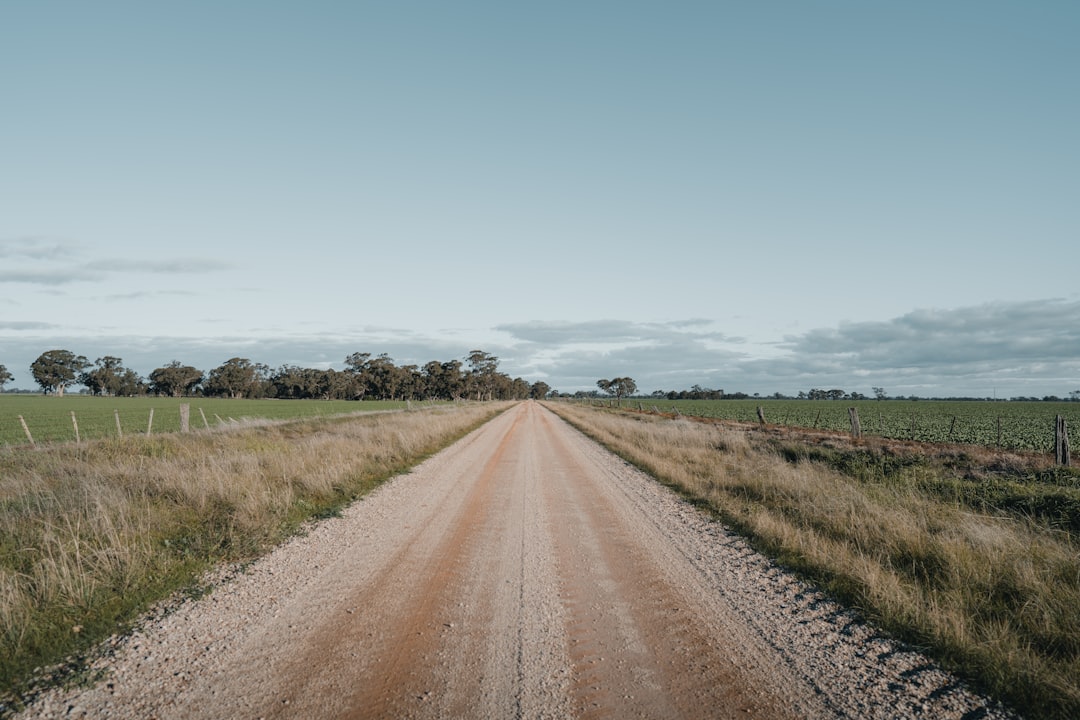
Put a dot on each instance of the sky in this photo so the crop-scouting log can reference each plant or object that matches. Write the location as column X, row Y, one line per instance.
column 757, row 197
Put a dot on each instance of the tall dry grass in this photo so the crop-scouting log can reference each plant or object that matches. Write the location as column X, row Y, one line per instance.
column 91, row 535
column 993, row 593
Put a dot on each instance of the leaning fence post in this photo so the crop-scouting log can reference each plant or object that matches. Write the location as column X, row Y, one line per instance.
column 75, row 424
column 150, row 422
column 1061, row 441
column 185, row 417
column 204, row 422
column 119, row 430
column 26, row 430
column 856, row 428
column 761, row 414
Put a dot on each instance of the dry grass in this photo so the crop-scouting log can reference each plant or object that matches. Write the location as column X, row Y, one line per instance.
column 987, row 580
column 91, row 535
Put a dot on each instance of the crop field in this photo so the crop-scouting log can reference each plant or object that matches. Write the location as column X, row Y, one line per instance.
column 49, row 419
column 1010, row 425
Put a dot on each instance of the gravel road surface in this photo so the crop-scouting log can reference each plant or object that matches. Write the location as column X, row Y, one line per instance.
column 522, row 573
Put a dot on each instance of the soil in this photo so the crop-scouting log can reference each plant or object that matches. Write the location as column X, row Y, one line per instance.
column 524, row 572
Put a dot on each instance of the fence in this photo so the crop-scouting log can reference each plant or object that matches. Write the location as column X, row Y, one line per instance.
column 1012, row 425
column 184, row 415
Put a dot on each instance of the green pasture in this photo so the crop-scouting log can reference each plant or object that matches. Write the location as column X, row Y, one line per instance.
column 49, row 418
column 1012, row 425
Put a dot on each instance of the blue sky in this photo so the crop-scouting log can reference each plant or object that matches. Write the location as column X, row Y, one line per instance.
column 766, row 196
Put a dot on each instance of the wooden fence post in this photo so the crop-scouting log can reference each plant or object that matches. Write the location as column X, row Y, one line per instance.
column 75, row 424
column 204, row 422
column 26, row 430
column 856, row 428
column 119, row 430
column 761, row 414
column 185, row 417
column 1061, row 442
column 150, row 423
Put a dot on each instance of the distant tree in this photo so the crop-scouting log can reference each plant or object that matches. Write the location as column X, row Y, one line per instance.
column 357, row 366
column 5, row 377
column 879, row 393
column 237, row 378
column 443, row 380
column 105, row 377
column 410, row 385
column 175, row 379
column 1074, row 395
column 384, row 379
column 539, row 390
column 620, row 387
column 335, row 385
column 483, row 368
column 54, row 370
column 519, row 389
column 130, row 384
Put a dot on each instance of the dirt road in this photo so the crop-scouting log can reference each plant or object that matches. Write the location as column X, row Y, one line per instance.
column 522, row 573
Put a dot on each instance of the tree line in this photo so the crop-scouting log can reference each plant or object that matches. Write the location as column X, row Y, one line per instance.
column 365, row 376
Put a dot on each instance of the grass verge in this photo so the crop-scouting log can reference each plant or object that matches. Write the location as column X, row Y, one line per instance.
column 968, row 554
column 92, row 535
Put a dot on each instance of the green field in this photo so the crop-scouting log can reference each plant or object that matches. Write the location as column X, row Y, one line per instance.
column 1011, row 425
column 49, row 418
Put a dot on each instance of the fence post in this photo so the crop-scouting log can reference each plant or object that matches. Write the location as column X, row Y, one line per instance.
column 150, row 423
column 119, row 430
column 204, row 422
column 75, row 424
column 761, row 414
column 1061, row 442
column 26, row 430
column 856, row 428
column 185, row 417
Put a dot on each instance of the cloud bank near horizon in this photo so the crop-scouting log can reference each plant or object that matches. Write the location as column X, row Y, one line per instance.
column 996, row 349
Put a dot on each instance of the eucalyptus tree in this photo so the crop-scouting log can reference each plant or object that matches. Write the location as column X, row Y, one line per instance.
column 482, row 374
column 237, row 378
column 54, row 370
column 5, row 377
column 175, row 379
column 539, row 390
column 443, row 380
column 620, row 387
column 108, row 376
column 130, row 384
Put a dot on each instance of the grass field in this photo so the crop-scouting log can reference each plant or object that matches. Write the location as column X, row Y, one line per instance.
column 1011, row 425
column 49, row 418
